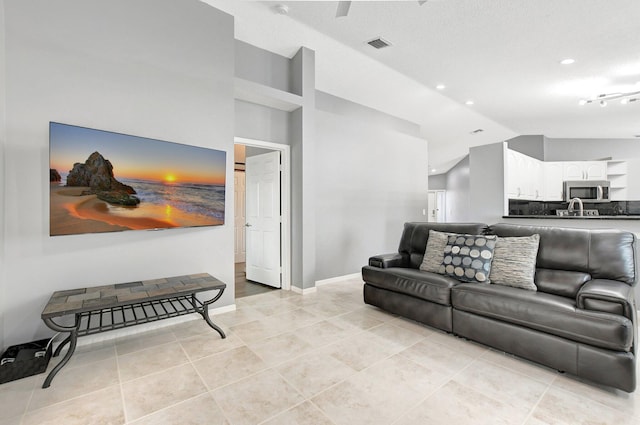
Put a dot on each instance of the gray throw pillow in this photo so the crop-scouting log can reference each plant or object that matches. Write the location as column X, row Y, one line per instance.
column 434, row 252
column 514, row 262
column 468, row 257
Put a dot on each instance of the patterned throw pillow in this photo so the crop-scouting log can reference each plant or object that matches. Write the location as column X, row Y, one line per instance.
column 434, row 252
column 514, row 262
column 468, row 257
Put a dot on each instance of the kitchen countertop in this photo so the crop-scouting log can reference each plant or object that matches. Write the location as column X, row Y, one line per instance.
column 591, row 217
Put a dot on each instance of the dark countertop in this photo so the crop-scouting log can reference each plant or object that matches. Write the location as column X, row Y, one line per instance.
column 591, row 217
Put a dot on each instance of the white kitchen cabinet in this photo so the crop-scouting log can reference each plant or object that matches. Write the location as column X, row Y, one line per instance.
column 553, row 178
column 524, row 177
column 584, row 170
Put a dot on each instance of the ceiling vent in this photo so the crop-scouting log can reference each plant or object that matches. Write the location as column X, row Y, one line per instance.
column 479, row 130
column 379, row 43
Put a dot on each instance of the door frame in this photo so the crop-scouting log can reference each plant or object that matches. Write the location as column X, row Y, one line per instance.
column 285, row 201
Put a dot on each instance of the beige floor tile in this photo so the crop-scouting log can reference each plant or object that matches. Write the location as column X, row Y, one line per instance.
column 199, row 410
column 359, row 351
column 303, row 414
column 260, row 329
column 224, row 368
column 456, row 404
column 396, row 337
column 327, row 308
column 616, row 399
column 262, row 396
column 100, row 407
column 73, row 382
column 152, row 360
column 89, row 355
column 280, row 348
column 359, row 319
column 273, row 307
column 322, row 333
column 193, row 328
column 154, row 392
column 559, row 407
column 298, row 318
column 15, row 396
column 314, row 373
column 15, row 420
column 525, row 367
column 437, row 357
column 144, row 340
column 207, row 344
column 502, row 384
column 244, row 314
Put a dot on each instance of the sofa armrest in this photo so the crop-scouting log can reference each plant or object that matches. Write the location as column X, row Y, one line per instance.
column 609, row 296
column 385, row 261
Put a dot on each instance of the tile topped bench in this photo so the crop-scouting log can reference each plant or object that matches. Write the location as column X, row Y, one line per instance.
column 103, row 308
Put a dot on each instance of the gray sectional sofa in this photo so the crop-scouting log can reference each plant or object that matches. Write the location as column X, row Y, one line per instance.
column 580, row 320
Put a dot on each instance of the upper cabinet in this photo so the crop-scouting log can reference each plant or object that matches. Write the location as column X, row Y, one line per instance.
column 553, row 177
column 584, row 170
column 524, row 177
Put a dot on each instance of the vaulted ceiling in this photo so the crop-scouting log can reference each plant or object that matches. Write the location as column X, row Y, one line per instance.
column 504, row 55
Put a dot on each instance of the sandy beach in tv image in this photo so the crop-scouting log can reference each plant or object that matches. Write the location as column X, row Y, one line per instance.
column 102, row 181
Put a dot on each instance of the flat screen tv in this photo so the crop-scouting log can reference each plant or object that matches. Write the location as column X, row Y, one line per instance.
column 101, row 181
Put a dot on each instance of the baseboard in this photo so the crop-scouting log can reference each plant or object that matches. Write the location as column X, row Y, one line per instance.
column 305, row 291
column 145, row 327
column 337, row 279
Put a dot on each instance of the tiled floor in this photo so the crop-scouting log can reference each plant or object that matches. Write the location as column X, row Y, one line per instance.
column 319, row 359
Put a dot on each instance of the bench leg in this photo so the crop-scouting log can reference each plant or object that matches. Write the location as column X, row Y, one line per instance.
column 72, row 339
column 204, row 311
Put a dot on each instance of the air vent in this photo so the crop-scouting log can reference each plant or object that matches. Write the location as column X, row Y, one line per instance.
column 476, row 131
column 379, row 43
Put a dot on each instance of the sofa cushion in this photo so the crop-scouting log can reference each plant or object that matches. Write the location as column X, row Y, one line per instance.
column 468, row 257
column 561, row 282
column 546, row 313
column 424, row 285
column 514, row 262
column 414, row 237
column 434, row 252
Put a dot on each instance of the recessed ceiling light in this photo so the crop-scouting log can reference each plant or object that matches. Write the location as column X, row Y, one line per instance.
column 441, row 86
column 567, row 61
column 469, row 102
column 433, row 170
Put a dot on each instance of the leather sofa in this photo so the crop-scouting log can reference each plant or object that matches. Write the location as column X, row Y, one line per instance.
column 581, row 320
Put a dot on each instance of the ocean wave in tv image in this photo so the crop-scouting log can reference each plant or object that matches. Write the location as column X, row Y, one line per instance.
column 201, row 199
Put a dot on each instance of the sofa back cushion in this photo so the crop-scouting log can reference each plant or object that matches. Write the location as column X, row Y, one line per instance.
column 600, row 253
column 560, row 282
column 415, row 236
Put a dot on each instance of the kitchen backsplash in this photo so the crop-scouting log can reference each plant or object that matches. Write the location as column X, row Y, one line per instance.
column 520, row 207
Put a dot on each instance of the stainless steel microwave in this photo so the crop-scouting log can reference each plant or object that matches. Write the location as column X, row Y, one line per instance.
column 587, row 190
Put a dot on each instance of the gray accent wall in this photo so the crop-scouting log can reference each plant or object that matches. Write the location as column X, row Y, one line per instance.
column 486, row 183
column 260, row 122
column 372, row 178
column 438, row 182
column 154, row 68
column 458, row 192
column 531, row 145
column 3, row 176
column 261, row 66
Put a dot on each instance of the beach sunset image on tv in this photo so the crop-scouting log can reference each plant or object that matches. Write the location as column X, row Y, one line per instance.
column 102, row 181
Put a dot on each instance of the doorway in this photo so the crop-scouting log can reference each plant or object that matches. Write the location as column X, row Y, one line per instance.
column 262, row 216
column 436, row 206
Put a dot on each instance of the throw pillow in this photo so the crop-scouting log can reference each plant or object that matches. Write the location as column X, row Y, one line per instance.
column 468, row 257
column 514, row 262
column 434, row 252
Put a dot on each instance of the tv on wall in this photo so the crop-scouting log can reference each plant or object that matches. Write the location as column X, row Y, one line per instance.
column 101, row 181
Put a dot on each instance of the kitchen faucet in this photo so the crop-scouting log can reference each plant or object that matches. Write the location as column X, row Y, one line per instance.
column 580, row 205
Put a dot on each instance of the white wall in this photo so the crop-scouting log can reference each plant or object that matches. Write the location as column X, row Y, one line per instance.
column 155, row 68
column 372, row 179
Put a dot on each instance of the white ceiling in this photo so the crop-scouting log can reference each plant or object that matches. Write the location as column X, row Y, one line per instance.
column 502, row 54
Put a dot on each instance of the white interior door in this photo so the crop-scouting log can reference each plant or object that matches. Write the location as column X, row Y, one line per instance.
column 436, row 206
column 239, row 210
column 263, row 218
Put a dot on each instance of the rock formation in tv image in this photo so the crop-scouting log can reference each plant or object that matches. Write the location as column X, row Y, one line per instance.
column 97, row 174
